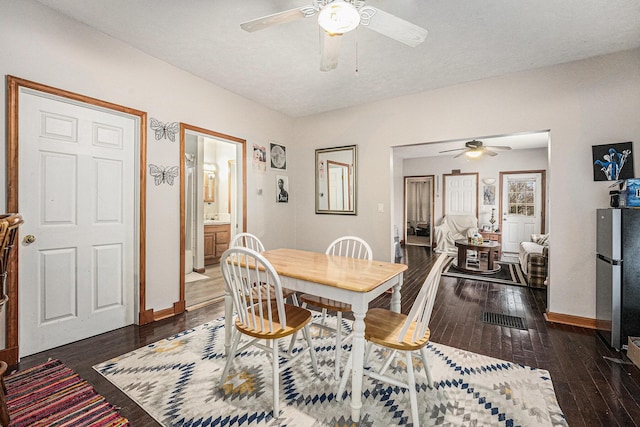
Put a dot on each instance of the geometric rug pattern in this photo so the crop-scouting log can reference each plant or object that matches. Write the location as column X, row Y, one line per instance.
column 176, row 381
column 509, row 273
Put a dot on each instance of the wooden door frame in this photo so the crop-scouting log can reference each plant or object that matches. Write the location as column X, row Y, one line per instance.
column 184, row 127
column 444, row 189
column 404, row 210
column 543, row 194
column 10, row 353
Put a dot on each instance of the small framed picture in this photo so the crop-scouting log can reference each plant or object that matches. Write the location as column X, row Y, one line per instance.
column 489, row 195
column 486, row 227
column 278, row 156
column 282, row 189
column 259, row 158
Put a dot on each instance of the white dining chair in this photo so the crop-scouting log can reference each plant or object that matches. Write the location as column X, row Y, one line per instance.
column 404, row 333
column 248, row 240
column 348, row 246
column 262, row 314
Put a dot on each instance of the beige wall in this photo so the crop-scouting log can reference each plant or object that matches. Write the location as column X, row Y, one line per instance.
column 583, row 103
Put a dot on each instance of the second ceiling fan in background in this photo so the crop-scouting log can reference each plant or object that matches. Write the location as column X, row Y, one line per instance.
column 475, row 149
column 336, row 17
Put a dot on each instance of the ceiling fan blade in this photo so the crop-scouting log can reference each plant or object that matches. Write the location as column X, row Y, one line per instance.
column 329, row 50
column 455, row 149
column 277, row 19
column 498, row 147
column 489, row 152
column 391, row 26
column 458, row 155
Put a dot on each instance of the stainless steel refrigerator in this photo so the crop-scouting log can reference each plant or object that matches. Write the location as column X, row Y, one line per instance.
column 618, row 275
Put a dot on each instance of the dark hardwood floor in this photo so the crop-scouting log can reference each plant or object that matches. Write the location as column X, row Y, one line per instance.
column 591, row 390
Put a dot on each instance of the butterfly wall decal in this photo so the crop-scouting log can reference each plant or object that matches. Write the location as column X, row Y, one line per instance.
column 165, row 130
column 161, row 174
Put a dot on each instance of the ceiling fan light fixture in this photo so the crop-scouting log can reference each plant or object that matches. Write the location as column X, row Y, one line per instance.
column 338, row 17
column 473, row 154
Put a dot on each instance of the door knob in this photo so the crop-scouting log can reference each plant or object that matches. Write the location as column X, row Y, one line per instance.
column 28, row 239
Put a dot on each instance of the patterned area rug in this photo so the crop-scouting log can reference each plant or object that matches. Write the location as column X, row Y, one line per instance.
column 175, row 381
column 50, row 394
column 509, row 274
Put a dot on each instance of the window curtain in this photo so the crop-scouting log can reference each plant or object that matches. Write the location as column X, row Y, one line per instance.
column 418, row 202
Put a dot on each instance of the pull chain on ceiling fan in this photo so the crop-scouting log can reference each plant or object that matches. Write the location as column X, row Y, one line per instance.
column 336, row 17
column 474, row 149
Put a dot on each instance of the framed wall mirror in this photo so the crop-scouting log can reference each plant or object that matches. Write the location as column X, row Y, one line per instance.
column 209, row 186
column 336, row 180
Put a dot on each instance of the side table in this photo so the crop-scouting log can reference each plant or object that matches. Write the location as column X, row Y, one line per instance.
column 494, row 236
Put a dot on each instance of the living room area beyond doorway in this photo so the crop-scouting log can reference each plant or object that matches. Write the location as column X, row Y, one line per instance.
column 505, row 189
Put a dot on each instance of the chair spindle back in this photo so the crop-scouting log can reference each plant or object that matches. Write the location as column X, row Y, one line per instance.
column 247, row 240
column 258, row 307
column 423, row 306
column 350, row 246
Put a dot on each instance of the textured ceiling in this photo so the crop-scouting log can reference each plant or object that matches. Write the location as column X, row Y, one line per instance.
column 279, row 67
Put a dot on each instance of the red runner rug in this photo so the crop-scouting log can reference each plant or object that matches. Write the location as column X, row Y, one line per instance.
column 50, row 394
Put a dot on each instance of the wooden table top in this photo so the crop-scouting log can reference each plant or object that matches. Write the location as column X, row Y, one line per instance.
column 342, row 272
column 464, row 243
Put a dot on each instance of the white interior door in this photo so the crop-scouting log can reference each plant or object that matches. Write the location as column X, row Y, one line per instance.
column 76, row 194
column 461, row 194
column 338, row 176
column 521, row 208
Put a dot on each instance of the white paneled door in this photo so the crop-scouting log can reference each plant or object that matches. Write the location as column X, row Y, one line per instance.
column 338, row 176
column 521, row 208
column 461, row 194
column 77, row 193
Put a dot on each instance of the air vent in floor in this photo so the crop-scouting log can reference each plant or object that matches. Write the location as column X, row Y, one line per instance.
column 503, row 320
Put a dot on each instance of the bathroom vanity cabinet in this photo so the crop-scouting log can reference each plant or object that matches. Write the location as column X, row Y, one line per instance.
column 216, row 241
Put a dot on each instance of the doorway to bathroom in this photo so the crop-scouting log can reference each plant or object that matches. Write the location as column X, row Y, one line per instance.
column 214, row 210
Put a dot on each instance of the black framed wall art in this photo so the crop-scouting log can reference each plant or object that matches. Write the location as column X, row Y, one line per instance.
column 613, row 162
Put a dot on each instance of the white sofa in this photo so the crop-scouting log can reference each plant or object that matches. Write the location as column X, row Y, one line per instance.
column 452, row 228
column 531, row 247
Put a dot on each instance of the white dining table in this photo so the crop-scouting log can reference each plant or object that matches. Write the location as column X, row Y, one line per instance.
column 350, row 280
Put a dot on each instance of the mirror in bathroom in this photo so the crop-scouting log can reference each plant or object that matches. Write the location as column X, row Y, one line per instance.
column 336, row 180
column 209, row 186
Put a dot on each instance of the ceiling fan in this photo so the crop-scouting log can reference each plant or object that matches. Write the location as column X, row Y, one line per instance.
column 336, row 17
column 475, row 148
